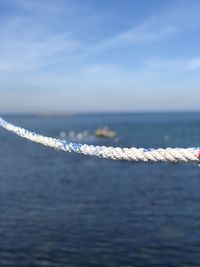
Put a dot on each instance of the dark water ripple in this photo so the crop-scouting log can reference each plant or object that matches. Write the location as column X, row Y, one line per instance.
column 59, row 209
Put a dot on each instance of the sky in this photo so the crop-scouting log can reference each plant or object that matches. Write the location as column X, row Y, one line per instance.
column 99, row 55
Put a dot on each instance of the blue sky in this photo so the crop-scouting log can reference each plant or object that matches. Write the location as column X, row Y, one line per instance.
column 99, row 55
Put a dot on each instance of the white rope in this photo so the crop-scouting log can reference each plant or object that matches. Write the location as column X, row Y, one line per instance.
column 134, row 154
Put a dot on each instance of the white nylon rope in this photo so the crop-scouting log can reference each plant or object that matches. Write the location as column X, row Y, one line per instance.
column 191, row 154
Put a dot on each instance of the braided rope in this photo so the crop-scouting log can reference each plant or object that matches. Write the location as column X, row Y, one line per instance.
column 132, row 154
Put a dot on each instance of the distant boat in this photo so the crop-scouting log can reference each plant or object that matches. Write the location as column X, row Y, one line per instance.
column 99, row 132
column 105, row 132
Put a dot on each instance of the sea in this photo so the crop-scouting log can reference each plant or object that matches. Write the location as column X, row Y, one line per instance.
column 63, row 209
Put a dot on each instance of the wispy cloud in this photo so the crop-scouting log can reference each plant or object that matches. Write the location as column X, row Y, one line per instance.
column 137, row 35
column 171, row 22
column 174, row 65
column 28, row 43
column 31, row 54
column 97, row 70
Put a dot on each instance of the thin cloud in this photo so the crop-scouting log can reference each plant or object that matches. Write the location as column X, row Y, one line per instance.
column 174, row 65
column 137, row 35
column 31, row 54
column 175, row 20
column 28, row 44
column 194, row 64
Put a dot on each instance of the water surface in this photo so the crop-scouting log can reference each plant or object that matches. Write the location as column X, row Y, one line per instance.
column 64, row 209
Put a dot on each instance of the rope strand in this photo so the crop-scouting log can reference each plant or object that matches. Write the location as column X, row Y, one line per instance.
column 116, row 153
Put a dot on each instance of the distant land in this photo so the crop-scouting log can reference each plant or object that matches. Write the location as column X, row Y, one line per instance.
column 42, row 114
column 73, row 114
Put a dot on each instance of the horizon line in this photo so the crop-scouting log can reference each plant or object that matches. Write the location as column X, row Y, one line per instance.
column 69, row 114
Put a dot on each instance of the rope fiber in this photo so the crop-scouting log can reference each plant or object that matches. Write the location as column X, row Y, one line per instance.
column 191, row 154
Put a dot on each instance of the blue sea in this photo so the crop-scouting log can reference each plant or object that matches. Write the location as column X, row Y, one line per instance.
column 67, row 210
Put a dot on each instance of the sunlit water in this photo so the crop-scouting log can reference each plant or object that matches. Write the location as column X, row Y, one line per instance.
column 60, row 209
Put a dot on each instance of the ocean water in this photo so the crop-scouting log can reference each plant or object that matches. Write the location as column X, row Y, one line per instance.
column 65, row 209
